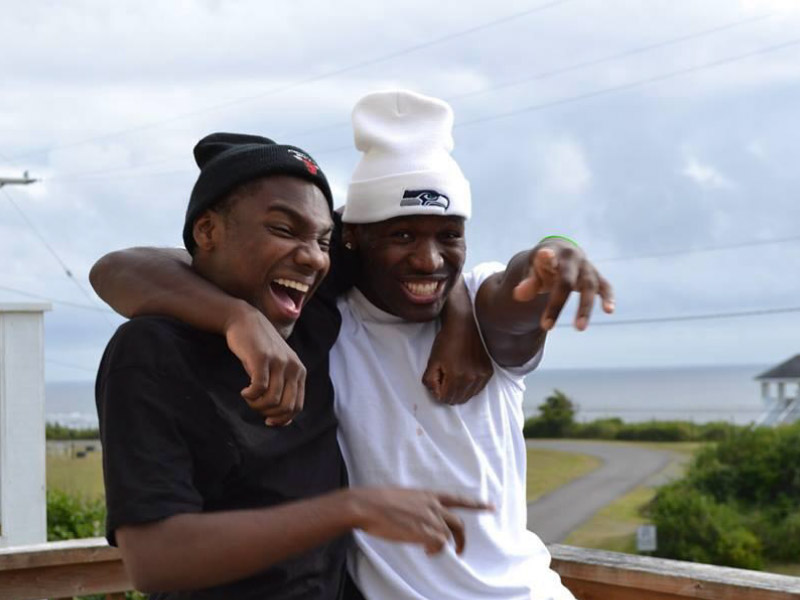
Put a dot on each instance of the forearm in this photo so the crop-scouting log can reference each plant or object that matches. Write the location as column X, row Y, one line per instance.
column 200, row 550
column 457, row 314
column 459, row 366
column 160, row 281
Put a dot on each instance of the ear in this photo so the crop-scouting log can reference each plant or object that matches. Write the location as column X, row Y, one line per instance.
column 349, row 236
column 207, row 230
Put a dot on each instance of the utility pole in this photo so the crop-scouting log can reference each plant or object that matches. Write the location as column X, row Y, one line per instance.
column 24, row 180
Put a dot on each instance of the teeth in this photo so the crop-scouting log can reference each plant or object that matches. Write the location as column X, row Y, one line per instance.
column 295, row 285
column 422, row 289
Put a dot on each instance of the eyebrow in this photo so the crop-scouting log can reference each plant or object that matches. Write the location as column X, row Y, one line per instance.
column 295, row 214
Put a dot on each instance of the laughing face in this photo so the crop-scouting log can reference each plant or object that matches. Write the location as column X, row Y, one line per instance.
column 270, row 247
column 409, row 264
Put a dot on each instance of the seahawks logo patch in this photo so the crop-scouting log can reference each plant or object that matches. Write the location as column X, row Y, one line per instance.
column 425, row 198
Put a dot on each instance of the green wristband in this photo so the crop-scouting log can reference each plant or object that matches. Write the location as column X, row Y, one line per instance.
column 559, row 237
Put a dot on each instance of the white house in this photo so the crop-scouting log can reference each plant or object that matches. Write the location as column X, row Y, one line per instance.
column 780, row 390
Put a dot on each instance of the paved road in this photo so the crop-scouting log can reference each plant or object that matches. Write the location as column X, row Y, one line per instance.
column 556, row 514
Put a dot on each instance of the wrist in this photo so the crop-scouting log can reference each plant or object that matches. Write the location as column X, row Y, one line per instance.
column 354, row 507
column 562, row 238
column 236, row 312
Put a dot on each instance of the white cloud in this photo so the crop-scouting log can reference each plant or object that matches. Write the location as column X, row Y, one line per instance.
column 705, row 175
column 565, row 168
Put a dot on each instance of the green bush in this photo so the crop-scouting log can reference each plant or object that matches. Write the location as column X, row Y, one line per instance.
column 556, row 419
column 780, row 534
column 738, row 503
column 716, row 431
column 694, row 526
column 758, row 467
column 70, row 516
column 56, row 431
column 658, row 431
column 599, row 429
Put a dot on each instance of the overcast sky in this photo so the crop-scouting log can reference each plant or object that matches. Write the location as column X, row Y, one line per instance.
column 638, row 127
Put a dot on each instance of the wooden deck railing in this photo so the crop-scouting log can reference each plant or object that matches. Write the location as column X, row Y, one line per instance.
column 79, row 567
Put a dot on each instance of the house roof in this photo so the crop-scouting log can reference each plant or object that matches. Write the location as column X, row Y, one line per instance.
column 789, row 369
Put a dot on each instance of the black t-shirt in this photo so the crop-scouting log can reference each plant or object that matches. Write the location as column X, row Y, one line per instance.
column 178, row 438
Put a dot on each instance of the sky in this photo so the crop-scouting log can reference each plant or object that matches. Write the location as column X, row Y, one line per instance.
column 663, row 135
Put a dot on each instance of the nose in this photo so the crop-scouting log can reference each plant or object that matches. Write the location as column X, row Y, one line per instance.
column 426, row 256
column 312, row 256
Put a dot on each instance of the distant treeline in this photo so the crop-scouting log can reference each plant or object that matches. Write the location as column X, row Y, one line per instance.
column 556, row 419
column 56, row 431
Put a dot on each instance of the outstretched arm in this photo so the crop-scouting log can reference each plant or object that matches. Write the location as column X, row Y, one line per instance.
column 200, row 550
column 160, row 281
column 517, row 307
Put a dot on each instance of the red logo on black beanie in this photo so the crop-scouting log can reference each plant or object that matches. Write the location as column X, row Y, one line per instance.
column 311, row 166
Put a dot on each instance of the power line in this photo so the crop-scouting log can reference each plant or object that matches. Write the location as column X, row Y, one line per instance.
column 51, row 250
column 630, row 85
column 605, row 91
column 91, row 307
column 537, row 76
column 82, row 174
column 102, row 177
column 59, row 363
column 307, row 80
column 573, row 67
column 659, row 409
column 719, row 248
column 612, row 57
column 697, row 317
column 640, row 321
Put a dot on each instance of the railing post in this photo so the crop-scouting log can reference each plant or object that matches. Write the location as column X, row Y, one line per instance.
column 23, row 506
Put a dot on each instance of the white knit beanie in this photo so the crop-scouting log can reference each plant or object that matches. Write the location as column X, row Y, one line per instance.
column 406, row 168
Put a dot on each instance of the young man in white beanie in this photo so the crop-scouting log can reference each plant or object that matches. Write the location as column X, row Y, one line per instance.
column 404, row 227
column 404, row 218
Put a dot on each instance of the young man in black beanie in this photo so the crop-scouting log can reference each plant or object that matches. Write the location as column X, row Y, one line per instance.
column 201, row 495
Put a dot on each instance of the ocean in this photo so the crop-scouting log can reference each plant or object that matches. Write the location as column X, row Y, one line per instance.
column 698, row 394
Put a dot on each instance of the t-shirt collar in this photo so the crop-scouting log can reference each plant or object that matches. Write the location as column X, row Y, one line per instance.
column 367, row 311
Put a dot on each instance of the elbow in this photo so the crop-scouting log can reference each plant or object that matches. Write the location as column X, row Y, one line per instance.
column 105, row 279
column 98, row 272
column 144, row 575
column 147, row 569
column 142, row 581
column 102, row 271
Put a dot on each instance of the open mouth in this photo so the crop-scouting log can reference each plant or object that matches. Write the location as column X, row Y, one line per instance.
column 423, row 291
column 290, row 295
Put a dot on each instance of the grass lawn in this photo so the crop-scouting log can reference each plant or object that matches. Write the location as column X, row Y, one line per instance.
column 69, row 473
column 550, row 469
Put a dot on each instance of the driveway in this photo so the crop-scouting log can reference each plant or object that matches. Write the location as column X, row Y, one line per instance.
column 556, row 514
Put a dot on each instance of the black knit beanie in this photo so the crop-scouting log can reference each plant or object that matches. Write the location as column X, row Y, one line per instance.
column 228, row 160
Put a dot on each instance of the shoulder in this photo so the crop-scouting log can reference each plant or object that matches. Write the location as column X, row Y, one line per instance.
column 152, row 342
column 475, row 277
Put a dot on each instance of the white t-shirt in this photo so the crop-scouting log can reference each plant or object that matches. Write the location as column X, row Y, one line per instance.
column 393, row 432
